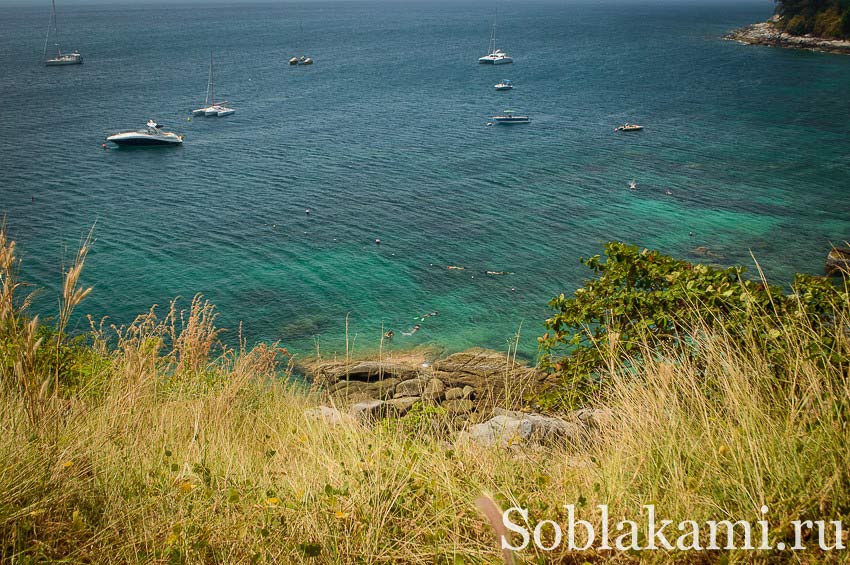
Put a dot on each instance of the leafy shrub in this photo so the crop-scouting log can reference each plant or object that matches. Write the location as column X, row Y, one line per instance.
column 642, row 301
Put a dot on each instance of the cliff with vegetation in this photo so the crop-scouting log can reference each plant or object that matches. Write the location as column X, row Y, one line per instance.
column 816, row 25
column 821, row 18
column 681, row 385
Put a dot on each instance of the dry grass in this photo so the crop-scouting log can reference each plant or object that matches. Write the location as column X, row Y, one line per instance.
column 182, row 450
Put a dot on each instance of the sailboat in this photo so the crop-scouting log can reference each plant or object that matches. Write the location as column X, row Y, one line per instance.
column 61, row 58
column 303, row 59
column 211, row 108
column 495, row 56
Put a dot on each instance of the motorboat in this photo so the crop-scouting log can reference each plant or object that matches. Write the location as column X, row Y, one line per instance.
column 632, row 184
column 59, row 58
column 212, row 108
column 628, row 127
column 150, row 136
column 495, row 56
column 504, row 85
column 509, row 118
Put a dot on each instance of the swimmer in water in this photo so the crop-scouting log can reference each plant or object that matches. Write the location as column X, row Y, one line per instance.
column 389, row 334
column 412, row 331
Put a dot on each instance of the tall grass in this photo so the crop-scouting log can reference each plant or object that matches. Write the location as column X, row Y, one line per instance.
column 175, row 448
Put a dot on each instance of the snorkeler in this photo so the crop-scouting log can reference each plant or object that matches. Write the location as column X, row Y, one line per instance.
column 412, row 331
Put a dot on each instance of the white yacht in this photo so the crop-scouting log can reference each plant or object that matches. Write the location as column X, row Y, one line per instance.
column 59, row 58
column 504, row 85
column 509, row 118
column 151, row 135
column 495, row 56
column 211, row 108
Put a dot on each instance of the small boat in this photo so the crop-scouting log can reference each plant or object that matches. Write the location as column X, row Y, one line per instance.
column 632, row 184
column 212, row 108
column 509, row 118
column 60, row 58
column 495, row 56
column 504, row 85
column 302, row 60
column 628, row 127
column 150, row 136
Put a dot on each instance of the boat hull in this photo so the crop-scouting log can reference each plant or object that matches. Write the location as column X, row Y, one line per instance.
column 143, row 140
column 63, row 62
column 495, row 61
column 512, row 120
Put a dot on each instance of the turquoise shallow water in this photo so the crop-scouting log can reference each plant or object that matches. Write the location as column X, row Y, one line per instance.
column 385, row 137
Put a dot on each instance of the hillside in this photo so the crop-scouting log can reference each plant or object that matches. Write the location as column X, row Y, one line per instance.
column 822, row 18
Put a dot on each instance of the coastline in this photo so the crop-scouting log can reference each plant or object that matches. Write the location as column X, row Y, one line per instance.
column 766, row 33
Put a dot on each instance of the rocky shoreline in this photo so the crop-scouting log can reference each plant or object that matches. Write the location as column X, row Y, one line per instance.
column 766, row 33
column 485, row 396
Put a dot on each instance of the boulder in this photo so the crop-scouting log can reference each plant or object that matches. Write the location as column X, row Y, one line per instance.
column 401, row 406
column 369, row 410
column 838, row 261
column 458, row 406
column 355, row 391
column 508, row 428
column 434, row 390
column 329, row 373
column 329, row 415
column 411, row 387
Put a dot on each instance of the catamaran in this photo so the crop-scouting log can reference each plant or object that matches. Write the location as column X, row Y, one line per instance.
column 211, row 108
column 495, row 56
column 60, row 58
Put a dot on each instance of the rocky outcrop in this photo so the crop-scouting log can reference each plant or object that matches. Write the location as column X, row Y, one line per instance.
column 462, row 382
column 838, row 261
column 766, row 33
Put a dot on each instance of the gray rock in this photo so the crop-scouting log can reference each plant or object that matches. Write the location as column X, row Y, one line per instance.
column 508, row 428
column 401, row 406
column 434, row 390
column 499, row 430
column 455, row 393
column 355, row 391
column 369, row 410
column 458, row 406
column 412, row 387
column 327, row 414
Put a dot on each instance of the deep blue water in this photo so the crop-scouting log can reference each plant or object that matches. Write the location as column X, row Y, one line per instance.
column 385, row 137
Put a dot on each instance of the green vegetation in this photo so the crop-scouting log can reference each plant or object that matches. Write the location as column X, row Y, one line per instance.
column 642, row 302
column 154, row 443
column 822, row 18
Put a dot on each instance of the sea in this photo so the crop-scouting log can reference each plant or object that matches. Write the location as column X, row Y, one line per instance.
column 744, row 159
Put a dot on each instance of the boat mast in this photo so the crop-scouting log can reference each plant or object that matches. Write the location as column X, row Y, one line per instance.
column 212, row 81
column 209, row 82
column 56, row 29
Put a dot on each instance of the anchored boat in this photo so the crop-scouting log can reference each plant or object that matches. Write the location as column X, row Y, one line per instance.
column 150, row 136
column 509, row 118
column 60, row 58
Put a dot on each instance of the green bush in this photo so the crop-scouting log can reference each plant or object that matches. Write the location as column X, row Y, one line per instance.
column 642, row 301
